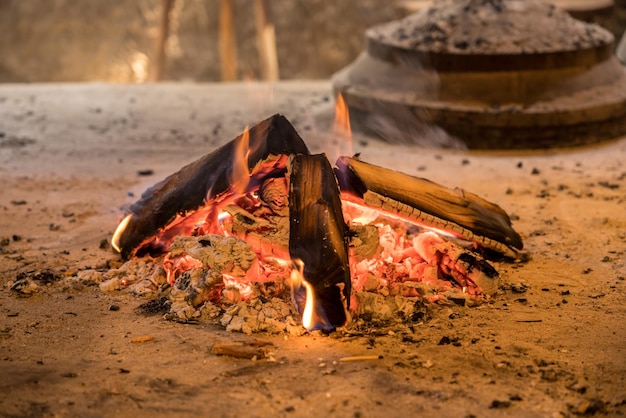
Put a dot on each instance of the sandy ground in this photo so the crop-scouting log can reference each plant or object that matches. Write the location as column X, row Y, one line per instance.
column 70, row 157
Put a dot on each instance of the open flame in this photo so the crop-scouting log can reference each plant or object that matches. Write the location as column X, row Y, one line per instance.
column 301, row 289
column 304, row 298
column 240, row 174
column 115, row 241
column 341, row 126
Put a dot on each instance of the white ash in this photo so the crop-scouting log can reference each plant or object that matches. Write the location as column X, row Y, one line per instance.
column 365, row 242
column 223, row 254
column 202, row 294
column 269, row 309
column 128, row 273
column 89, row 277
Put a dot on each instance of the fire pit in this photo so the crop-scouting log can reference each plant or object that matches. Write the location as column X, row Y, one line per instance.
column 492, row 73
column 260, row 221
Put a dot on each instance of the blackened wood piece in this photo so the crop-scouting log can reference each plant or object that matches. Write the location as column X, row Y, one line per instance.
column 317, row 234
column 193, row 185
column 457, row 211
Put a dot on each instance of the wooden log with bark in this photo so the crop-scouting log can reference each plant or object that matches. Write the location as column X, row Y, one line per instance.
column 456, row 211
column 203, row 180
column 318, row 236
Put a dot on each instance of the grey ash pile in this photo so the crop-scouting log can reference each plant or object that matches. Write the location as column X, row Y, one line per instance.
column 490, row 27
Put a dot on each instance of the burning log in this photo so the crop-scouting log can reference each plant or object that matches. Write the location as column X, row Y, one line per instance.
column 455, row 211
column 318, row 238
column 237, row 224
column 208, row 178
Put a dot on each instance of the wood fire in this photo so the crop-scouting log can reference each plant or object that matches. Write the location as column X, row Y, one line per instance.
column 261, row 214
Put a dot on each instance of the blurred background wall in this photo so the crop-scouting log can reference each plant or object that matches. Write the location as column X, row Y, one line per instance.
column 114, row 40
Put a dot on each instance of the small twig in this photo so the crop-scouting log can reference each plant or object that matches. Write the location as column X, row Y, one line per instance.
column 529, row 320
column 360, row 358
column 142, row 339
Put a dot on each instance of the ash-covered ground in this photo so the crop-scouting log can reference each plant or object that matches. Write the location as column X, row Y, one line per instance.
column 73, row 156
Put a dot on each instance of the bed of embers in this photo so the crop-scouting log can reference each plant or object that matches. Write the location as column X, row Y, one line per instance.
column 259, row 235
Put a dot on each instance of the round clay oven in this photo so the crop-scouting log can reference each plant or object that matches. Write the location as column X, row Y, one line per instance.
column 494, row 73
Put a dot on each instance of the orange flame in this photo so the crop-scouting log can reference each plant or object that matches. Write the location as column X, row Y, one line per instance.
column 115, row 241
column 342, row 123
column 240, row 175
column 297, row 283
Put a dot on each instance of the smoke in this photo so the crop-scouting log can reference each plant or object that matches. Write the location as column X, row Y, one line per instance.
column 397, row 96
column 401, row 125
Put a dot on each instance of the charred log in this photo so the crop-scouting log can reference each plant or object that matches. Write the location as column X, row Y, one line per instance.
column 205, row 179
column 422, row 201
column 318, row 235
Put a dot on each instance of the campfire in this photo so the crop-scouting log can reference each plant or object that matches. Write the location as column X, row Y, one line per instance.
column 261, row 231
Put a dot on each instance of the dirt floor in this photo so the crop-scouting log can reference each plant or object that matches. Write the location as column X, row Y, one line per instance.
column 552, row 344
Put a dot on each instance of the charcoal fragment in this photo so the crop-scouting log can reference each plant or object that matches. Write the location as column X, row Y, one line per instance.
column 46, row 277
column 154, row 307
column 608, row 185
column 444, row 341
column 590, row 407
column 549, row 375
column 24, row 286
column 577, row 387
column 497, row 404
column 519, row 287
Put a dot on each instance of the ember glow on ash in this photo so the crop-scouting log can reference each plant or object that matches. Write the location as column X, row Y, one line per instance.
column 359, row 214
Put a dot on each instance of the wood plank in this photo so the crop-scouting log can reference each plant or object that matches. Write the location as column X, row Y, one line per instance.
column 318, row 235
column 456, row 211
column 207, row 178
